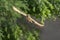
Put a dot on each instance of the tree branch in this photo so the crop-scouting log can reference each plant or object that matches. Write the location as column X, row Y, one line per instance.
column 28, row 17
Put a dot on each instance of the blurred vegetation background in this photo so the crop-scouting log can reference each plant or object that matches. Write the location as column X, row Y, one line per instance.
column 10, row 29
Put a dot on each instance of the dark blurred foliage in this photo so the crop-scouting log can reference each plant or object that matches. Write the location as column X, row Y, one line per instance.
column 10, row 29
